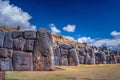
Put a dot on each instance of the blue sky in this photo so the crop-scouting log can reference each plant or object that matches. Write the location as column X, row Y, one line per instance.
column 91, row 21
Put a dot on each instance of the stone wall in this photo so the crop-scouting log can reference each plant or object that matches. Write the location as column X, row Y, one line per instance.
column 33, row 50
column 26, row 50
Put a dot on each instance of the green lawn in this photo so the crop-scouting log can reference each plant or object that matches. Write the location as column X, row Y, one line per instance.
column 81, row 72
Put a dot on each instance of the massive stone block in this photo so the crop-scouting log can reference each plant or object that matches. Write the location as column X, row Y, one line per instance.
column 17, row 34
column 18, row 44
column 65, row 46
column 22, row 61
column 29, row 34
column 73, row 57
column 8, row 41
column 43, row 57
column 2, row 34
column 29, row 45
column 6, row 59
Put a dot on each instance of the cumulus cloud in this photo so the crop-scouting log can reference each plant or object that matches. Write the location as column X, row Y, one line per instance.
column 54, row 28
column 69, row 28
column 87, row 40
column 115, row 34
column 13, row 16
column 110, row 43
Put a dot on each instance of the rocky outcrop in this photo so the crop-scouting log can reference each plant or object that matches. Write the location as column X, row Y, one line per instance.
column 43, row 58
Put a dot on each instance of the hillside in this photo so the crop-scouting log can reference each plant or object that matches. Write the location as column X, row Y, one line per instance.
column 58, row 39
column 6, row 28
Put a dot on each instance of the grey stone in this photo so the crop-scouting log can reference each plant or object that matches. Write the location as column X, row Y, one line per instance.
column 43, row 57
column 73, row 57
column 8, row 42
column 18, row 44
column 29, row 34
column 5, row 53
column 29, row 45
column 64, row 51
column 65, row 46
column 64, row 61
column 2, row 35
column 17, row 34
column 6, row 64
column 57, row 52
column 57, row 60
column 22, row 61
column 87, row 58
column 81, row 59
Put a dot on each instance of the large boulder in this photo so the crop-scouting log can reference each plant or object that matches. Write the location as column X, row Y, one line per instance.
column 8, row 41
column 18, row 43
column 2, row 34
column 22, row 61
column 73, row 57
column 65, row 46
column 43, row 57
column 29, row 45
column 29, row 34
column 16, row 34
column 6, row 59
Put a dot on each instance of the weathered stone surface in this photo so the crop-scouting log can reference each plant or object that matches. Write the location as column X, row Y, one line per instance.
column 29, row 34
column 17, row 34
column 18, row 44
column 29, row 45
column 92, row 55
column 57, row 52
column 87, row 58
column 64, row 51
column 2, row 35
column 4, row 53
column 65, row 46
column 81, row 59
column 8, row 41
column 6, row 64
column 57, row 60
column 64, row 61
column 82, row 52
column 43, row 57
column 73, row 57
column 22, row 61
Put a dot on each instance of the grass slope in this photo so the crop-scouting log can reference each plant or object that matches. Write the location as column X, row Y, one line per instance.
column 82, row 72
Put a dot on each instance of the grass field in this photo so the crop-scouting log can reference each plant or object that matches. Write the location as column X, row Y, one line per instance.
column 81, row 72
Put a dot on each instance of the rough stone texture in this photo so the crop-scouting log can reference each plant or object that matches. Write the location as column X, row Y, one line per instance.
column 56, row 60
column 2, row 34
column 81, row 59
column 29, row 34
column 8, row 41
column 64, row 60
column 6, row 64
column 92, row 55
column 64, row 51
column 6, row 59
column 17, row 34
column 73, row 57
column 18, row 44
column 29, row 45
column 43, row 57
column 22, row 61
column 65, row 46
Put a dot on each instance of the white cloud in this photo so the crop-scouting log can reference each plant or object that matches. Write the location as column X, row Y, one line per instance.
column 87, row 40
column 13, row 16
column 115, row 34
column 110, row 43
column 54, row 28
column 69, row 28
